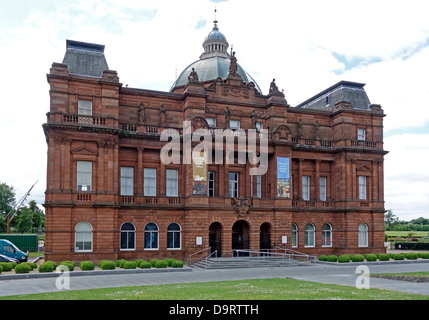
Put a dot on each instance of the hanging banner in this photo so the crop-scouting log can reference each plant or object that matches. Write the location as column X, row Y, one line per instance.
column 199, row 167
column 283, row 178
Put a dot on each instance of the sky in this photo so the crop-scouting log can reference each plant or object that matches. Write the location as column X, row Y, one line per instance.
column 307, row 46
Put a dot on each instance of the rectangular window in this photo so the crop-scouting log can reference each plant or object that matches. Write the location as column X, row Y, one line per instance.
column 306, row 188
column 361, row 134
column 84, row 175
column 211, row 122
column 149, row 182
column 84, row 107
column 233, row 184
column 322, row 188
column 211, row 184
column 362, row 187
column 234, row 124
column 172, row 183
column 256, row 178
column 127, row 181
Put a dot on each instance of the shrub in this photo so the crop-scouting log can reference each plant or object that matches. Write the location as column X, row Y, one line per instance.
column 23, row 268
column 7, row 266
column 87, row 265
column 1, row 268
column 130, row 265
column 169, row 261
column 424, row 255
column 398, row 256
column 139, row 261
column 14, row 264
column 332, row 258
column 323, row 257
column 383, row 257
column 54, row 264
column 46, row 267
column 358, row 258
column 32, row 265
column 120, row 263
column 107, row 265
column 411, row 256
column 344, row 258
column 68, row 264
column 161, row 264
column 145, row 265
column 370, row 257
column 153, row 262
column 177, row 264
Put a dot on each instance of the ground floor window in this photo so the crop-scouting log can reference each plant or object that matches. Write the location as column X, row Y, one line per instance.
column 83, row 236
column 151, row 236
column 326, row 235
column 309, row 235
column 294, row 235
column 363, row 235
column 173, row 236
column 128, row 236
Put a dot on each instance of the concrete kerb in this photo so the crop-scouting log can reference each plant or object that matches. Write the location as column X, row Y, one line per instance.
column 370, row 262
column 89, row 273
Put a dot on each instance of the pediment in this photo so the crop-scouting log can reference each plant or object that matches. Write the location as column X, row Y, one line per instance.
column 84, row 150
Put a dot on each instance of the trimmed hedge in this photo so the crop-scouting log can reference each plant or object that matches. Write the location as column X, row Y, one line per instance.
column 145, row 265
column 130, row 265
column 370, row 257
column 332, row 258
column 177, row 264
column 153, row 262
column 424, row 255
column 69, row 264
column 344, row 258
column 120, row 263
column 7, row 266
column 87, row 265
column 383, row 257
column 161, row 264
column 1, row 268
column 323, row 257
column 23, row 268
column 358, row 258
column 107, row 265
column 46, row 267
column 411, row 256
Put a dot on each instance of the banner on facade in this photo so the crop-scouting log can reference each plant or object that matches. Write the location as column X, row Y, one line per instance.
column 283, row 178
column 199, row 167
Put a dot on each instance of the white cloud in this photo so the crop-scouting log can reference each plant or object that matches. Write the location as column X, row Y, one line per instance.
column 149, row 42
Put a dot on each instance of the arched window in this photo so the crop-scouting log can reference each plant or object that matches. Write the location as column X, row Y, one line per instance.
column 128, row 236
column 363, row 235
column 309, row 235
column 294, row 235
column 173, row 236
column 326, row 235
column 83, row 237
column 151, row 236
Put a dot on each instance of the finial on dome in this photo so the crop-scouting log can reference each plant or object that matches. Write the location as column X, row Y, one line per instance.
column 215, row 20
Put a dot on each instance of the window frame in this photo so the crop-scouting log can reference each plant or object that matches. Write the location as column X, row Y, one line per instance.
column 151, row 233
column 127, row 179
column 211, row 183
column 362, row 188
column 322, row 187
column 84, row 233
column 309, row 235
column 174, row 234
column 175, row 179
column 306, row 188
column 361, row 134
column 363, row 236
column 327, row 236
column 294, row 235
column 83, row 176
column 233, row 193
column 147, row 190
column 127, row 232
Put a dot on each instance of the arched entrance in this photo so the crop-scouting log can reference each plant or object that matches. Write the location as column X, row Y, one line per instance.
column 215, row 238
column 240, row 236
column 265, row 236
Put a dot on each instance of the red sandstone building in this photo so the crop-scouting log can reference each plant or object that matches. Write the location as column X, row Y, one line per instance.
column 110, row 196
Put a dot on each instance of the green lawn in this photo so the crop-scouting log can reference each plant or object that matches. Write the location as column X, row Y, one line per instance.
column 414, row 274
column 267, row 289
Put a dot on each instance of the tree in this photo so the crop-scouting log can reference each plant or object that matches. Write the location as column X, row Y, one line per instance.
column 25, row 220
column 7, row 202
column 390, row 220
column 421, row 221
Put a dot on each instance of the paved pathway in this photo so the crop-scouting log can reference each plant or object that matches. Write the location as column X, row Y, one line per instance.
column 342, row 275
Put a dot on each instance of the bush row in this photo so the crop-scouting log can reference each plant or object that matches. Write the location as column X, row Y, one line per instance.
column 344, row 258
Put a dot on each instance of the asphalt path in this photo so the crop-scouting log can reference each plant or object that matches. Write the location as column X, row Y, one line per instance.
column 323, row 273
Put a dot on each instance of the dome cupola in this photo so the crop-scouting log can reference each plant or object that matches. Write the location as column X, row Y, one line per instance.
column 215, row 44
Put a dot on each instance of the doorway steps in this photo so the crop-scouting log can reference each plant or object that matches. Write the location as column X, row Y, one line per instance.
column 245, row 262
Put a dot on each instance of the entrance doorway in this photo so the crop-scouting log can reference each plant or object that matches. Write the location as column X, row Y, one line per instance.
column 265, row 237
column 215, row 238
column 240, row 237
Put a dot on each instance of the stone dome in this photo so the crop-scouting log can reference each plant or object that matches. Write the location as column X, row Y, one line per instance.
column 213, row 63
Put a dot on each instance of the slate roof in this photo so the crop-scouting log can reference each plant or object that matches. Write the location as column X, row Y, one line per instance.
column 342, row 91
column 85, row 59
